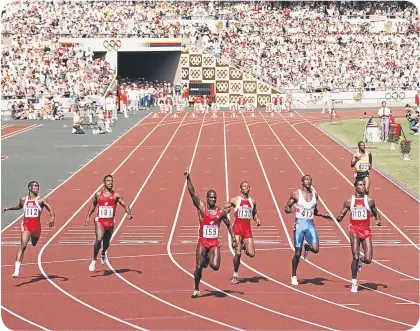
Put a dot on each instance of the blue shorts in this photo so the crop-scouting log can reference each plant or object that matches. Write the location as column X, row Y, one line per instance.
column 304, row 229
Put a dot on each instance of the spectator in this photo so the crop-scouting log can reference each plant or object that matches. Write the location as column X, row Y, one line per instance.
column 384, row 113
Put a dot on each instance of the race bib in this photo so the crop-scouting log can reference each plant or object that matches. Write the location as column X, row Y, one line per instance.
column 363, row 166
column 245, row 213
column 211, row 231
column 359, row 214
column 106, row 212
column 32, row 212
column 307, row 213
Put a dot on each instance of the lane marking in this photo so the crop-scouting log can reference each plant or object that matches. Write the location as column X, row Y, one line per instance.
column 71, row 218
column 23, row 318
column 291, row 245
column 15, row 133
column 346, row 179
column 122, row 221
column 168, row 248
column 84, row 166
column 335, row 221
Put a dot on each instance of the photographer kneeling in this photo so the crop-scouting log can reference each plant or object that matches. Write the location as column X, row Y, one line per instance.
column 413, row 118
column 77, row 123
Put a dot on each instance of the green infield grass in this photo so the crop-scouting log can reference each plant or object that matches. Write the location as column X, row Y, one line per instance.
column 388, row 161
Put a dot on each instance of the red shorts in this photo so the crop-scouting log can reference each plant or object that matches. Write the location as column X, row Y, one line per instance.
column 107, row 224
column 361, row 231
column 208, row 243
column 33, row 226
column 243, row 229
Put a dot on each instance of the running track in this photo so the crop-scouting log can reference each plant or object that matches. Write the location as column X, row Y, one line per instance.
column 148, row 281
column 11, row 130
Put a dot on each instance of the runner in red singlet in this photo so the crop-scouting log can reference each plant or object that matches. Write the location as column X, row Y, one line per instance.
column 245, row 209
column 106, row 200
column 208, row 247
column 361, row 208
column 32, row 206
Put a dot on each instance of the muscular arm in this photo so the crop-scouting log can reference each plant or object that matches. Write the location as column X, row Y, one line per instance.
column 226, row 220
column 346, row 208
column 92, row 208
column 375, row 212
column 126, row 207
column 196, row 200
column 255, row 214
column 50, row 209
column 16, row 207
column 292, row 200
column 317, row 213
column 354, row 160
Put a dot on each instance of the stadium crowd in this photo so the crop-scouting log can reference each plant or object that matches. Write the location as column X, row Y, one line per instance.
column 310, row 46
column 302, row 45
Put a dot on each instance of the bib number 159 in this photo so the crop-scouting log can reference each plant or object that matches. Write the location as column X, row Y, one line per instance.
column 210, row 231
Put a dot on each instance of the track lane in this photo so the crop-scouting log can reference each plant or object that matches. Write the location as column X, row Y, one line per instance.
column 70, row 194
column 284, row 185
column 275, row 161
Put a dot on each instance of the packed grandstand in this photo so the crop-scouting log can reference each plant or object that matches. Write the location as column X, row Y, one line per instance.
column 295, row 44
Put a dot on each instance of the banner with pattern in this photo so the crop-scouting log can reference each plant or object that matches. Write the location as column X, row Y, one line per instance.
column 229, row 82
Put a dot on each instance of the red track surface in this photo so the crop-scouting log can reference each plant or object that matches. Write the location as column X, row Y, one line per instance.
column 11, row 130
column 148, row 285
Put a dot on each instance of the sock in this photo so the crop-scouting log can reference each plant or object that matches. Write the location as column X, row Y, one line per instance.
column 17, row 266
column 354, row 281
column 235, row 274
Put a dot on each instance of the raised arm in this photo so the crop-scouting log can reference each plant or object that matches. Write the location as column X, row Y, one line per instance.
column 50, row 209
column 92, row 208
column 16, row 207
column 255, row 213
column 294, row 197
column 125, row 205
column 346, row 208
column 195, row 199
column 226, row 220
column 375, row 212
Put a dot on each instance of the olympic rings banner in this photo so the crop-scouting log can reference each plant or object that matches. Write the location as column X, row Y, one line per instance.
column 111, row 44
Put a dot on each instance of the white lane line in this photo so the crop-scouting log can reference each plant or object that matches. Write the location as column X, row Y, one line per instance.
column 141, row 289
column 168, row 248
column 346, row 179
column 84, row 166
column 23, row 318
column 70, row 219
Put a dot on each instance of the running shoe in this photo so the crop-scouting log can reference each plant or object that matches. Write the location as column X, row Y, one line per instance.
column 234, row 280
column 294, row 280
column 92, row 265
column 195, row 294
column 354, row 288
